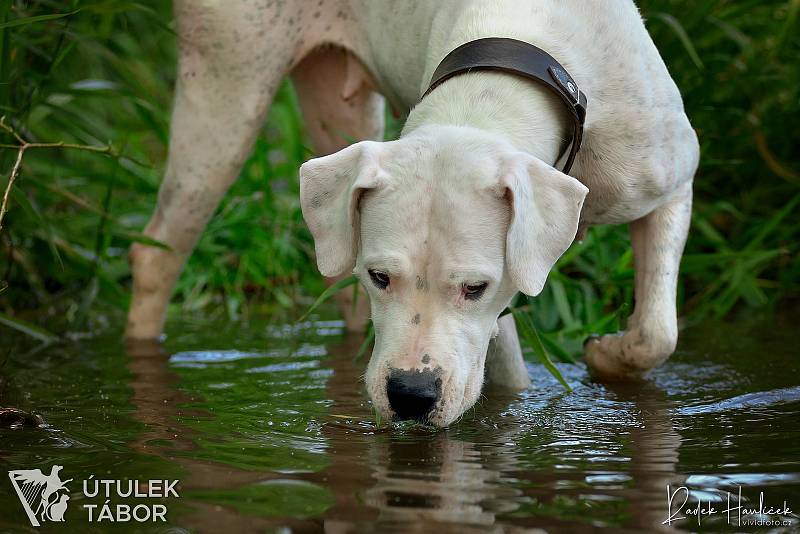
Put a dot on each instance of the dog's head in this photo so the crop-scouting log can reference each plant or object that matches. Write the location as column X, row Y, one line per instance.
column 442, row 228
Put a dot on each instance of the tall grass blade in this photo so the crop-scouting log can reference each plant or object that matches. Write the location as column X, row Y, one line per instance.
column 680, row 32
column 32, row 20
column 368, row 340
column 531, row 337
column 328, row 293
column 36, row 332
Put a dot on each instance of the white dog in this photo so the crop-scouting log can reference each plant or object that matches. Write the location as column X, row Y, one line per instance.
column 446, row 224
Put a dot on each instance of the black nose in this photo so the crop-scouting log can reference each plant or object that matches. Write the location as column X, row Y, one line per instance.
column 413, row 394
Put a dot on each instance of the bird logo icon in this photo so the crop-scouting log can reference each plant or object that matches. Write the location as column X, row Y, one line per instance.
column 44, row 497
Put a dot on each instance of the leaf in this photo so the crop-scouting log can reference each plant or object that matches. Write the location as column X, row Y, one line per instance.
column 562, row 303
column 601, row 326
column 368, row 339
column 32, row 20
column 702, row 262
column 32, row 210
column 28, row 329
column 556, row 349
column 328, row 293
column 680, row 32
column 531, row 336
column 137, row 237
column 773, row 223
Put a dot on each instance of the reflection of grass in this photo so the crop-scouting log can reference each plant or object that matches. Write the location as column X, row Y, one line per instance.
column 602, row 513
column 88, row 78
column 273, row 498
column 255, row 425
column 264, row 451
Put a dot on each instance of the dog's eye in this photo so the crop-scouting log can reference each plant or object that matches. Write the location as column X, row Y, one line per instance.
column 381, row 280
column 474, row 291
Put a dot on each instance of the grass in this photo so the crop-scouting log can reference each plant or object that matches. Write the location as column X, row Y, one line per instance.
column 82, row 72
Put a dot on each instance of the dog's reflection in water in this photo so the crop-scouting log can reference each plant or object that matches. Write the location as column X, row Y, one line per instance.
column 439, row 479
column 412, row 479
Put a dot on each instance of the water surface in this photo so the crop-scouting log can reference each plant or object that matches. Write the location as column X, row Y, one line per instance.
column 268, row 429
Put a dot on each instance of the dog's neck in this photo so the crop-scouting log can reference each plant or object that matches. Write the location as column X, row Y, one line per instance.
column 524, row 113
column 513, row 108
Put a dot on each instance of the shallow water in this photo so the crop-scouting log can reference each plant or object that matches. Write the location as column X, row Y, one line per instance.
column 267, row 427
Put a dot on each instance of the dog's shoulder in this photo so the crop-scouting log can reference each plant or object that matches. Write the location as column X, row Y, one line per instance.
column 639, row 146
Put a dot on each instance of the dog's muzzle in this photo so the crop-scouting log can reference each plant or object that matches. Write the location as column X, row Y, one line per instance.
column 413, row 394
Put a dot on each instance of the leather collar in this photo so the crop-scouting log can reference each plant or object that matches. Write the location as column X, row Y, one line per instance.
column 522, row 59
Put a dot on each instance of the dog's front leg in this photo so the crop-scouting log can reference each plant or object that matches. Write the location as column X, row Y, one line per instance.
column 652, row 330
column 505, row 366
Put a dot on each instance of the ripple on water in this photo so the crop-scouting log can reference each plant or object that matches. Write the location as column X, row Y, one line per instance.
column 269, row 427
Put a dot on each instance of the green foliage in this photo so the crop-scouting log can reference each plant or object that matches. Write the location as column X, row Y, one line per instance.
column 530, row 337
column 88, row 76
column 101, row 72
column 736, row 66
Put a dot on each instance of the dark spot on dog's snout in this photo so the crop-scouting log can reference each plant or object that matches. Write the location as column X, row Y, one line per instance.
column 413, row 394
column 415, row 319
column 422, row 284
column 426, row 359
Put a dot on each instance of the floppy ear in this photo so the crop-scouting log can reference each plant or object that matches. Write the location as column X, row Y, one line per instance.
column 545, row 208
column 330, row 188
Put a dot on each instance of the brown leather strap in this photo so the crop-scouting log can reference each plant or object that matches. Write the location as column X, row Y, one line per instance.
column 523, row 59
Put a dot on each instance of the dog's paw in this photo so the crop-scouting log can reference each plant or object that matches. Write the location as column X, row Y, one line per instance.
column 626, row 355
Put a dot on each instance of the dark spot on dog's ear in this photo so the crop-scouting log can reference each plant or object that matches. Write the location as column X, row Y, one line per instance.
column 415, row 319
column 427, row 358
